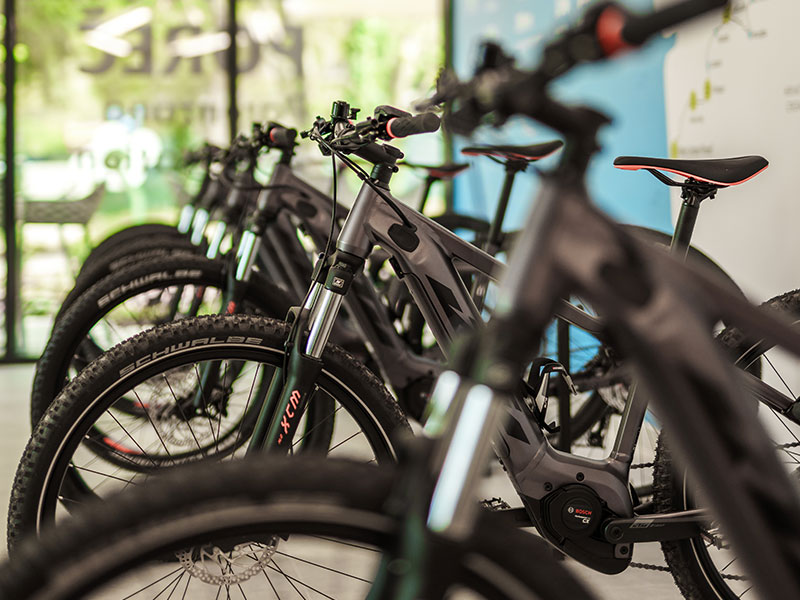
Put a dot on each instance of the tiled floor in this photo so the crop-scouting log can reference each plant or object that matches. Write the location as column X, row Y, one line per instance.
column 15, row 382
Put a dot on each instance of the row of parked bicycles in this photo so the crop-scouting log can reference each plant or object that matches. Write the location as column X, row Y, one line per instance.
column 224, row 408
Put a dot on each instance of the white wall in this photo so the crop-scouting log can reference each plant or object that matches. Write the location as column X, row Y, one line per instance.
column 752, row 65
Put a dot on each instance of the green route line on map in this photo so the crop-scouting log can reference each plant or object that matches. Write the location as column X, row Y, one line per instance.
column 729, row 17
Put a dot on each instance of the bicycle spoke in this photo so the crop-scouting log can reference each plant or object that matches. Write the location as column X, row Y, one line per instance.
column 108, row 475
column 290, row 579
column 246, row 406
column 325, row 420
column 225, row 384
column 106, row 448
column 205, row 405
column 269, row 581
column 186, row 588
column 327, row 539
column 149, row 585
column 308, row 562
column 347, row 439
column 183, row 415
column 783, row 381
column 144, row 453
column 177, row 584
column 158, row 433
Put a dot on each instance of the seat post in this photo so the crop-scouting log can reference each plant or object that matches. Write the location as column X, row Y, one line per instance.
column 496, row 228
column 426, row 191
column 693, row 193
column 494, row 237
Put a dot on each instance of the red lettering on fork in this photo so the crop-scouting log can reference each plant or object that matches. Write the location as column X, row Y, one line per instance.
column 289, row 413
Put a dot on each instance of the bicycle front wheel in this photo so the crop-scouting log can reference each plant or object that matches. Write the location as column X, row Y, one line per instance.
column 255, row 528
column 199, row 384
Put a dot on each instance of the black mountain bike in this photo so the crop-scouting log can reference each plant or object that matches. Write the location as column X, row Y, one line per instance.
column 417, row 531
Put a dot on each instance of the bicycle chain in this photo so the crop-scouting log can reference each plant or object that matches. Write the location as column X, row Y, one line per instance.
column 778, row 447
column 643, row 465
column 645, row 566
column 648, row 567
column 789, row 445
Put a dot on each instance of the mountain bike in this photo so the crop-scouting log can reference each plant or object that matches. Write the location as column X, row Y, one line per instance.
column 61, row 462
column 140, row 242
column 659, row 312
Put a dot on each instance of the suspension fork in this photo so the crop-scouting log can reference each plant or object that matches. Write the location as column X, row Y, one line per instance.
column 238, row 277
column 290, row 391
column 193, row 221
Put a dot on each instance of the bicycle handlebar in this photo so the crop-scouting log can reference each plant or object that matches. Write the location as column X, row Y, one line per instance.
column 208, row 153
column 498, row 87
column 400, row 127
column 340, row 134
column 637, row 29
column 281, row 137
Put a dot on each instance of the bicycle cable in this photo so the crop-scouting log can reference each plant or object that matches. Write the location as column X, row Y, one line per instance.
column 362, row 175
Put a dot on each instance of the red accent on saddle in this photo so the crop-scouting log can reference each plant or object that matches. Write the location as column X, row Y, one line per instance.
column 689, row 175
column 443, row 174
column 509, row 155
column 272, row 136
column 609, row 28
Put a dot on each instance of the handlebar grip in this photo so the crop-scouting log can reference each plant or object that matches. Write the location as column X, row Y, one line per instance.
column 400, row 127
column 618, row 30
column 638, row 29
column 281, row 137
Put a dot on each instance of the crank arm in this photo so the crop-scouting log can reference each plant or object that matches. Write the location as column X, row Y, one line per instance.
column 657, row 528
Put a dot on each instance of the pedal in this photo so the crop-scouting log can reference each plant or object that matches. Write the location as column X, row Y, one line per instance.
column 495, row 504
column 516, row 517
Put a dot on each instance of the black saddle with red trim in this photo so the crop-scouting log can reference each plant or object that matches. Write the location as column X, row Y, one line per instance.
column 529, row 153
column 721, row 172
column 445, row 171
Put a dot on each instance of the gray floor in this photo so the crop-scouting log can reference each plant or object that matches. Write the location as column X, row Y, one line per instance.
column 15, row 382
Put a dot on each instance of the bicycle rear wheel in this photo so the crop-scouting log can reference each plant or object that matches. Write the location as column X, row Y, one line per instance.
column 590, row 355
column 256, row 528
column 702, row 566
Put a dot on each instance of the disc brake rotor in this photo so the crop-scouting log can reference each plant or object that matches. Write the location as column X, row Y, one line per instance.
column 218, row 567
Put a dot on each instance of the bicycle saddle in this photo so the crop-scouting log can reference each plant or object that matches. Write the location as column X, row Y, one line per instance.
column 716, row 171
column 445, row 171
column 516, row 153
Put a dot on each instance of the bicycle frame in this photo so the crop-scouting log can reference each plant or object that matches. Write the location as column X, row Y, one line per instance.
column 661, row 313
column 434, row 282
column 290, row 195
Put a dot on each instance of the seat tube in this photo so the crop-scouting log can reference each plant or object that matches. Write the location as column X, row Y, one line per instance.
column 492, row 244
column 684, row 228
column 496, row 228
